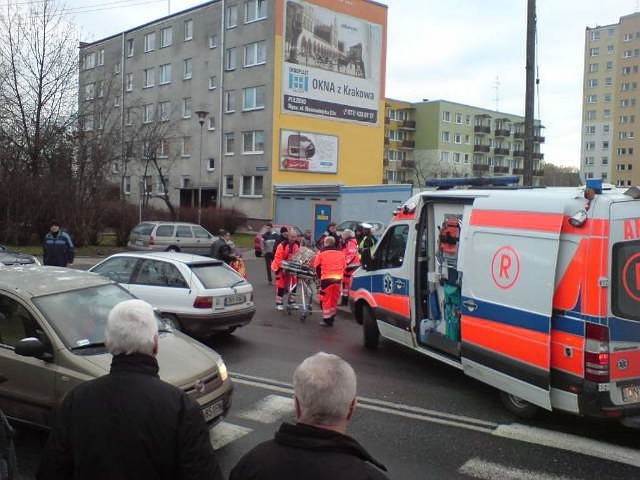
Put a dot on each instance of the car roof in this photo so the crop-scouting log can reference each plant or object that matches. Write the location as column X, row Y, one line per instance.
column 36, row 280
column 164, row 222
column 188, row 258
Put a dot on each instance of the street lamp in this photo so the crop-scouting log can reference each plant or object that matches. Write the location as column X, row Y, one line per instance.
column 202, row 115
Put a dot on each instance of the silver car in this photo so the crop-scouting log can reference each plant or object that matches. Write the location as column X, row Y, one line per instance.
column 52, row 323
column 199, row 295
column 171, row 237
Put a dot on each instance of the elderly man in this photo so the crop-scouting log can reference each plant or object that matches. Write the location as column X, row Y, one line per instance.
column 129, row 423
column 317, row 446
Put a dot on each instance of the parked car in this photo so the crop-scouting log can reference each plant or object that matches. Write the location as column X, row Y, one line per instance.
column 198, row 295
column 257, row 240
column 378, row 227
column 52, row 338
column 171, row 236
column 9, row 257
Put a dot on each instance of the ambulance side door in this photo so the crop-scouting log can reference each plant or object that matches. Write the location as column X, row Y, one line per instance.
column 509, row 255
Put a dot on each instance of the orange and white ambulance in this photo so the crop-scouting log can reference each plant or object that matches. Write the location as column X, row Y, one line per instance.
column 533, row 291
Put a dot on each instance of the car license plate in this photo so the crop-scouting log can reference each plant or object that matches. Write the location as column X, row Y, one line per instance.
column 234, row 300
column 212, row 410
column 631, row 393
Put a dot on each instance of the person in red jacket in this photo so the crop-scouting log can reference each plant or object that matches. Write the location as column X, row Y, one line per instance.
column 352, row 257
column 284, row 251
column 330, row 264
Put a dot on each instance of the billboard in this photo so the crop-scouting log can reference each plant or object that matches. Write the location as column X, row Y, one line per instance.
column 308, row 152
column 331, row 64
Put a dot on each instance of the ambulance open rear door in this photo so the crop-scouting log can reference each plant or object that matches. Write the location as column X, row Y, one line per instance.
column 508, row 258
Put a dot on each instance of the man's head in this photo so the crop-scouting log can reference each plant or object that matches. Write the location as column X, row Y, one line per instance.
column 132, row 328
column 292, row 235
column 366, row 227
column 347, row 233
column 55, row 226
column 224, row 234
column 325, row 391
column 332, row 227
column 284, row 231
column 329, row 242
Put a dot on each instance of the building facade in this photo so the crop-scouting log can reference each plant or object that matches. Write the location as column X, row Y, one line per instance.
column 214, row 105
column 610, row 102
column 447, row 139
column 399, row 143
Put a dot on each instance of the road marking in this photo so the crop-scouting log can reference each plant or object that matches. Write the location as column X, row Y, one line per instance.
column 478, row 468
column 270, row 409
column 538, row 436
column 224, row 433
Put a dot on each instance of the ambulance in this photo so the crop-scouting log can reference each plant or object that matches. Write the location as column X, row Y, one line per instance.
column 534, row 291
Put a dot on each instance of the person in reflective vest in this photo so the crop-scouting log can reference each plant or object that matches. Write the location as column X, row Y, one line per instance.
column 284, row 280
column 366, row 244
column 352, row 257
column 330, row 264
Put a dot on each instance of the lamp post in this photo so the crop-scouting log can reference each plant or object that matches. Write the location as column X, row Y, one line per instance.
column 202, row 115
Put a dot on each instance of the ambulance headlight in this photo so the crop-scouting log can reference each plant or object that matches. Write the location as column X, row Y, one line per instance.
column 578, row 219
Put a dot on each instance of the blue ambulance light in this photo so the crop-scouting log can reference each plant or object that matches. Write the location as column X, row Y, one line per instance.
column 595, row 184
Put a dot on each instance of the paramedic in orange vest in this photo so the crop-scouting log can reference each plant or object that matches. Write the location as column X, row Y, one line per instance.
column 352, row 257
column 284, row 251
column 330, row 264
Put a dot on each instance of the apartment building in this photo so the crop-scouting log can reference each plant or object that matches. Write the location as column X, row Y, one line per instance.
column 610, row 102
column 214, row 105
column 446, row 139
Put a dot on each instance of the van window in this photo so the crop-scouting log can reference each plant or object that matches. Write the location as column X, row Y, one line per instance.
column 164, row 231
column 143, row 229
column 625, row 279
column 391, row 251
column 183, row 232
column 200, row 232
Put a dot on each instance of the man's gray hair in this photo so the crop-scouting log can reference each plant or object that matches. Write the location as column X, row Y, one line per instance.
column 325, row 386
column 131, row 328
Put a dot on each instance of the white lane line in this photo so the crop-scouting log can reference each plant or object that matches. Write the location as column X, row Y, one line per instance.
column 478, row 468
column 573, row 443
column 224, row 433
column 270, row 409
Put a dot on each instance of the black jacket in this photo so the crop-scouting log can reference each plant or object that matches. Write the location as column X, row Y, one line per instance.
column 303, row 452
column 57, row 249
column 129, row 425
column 221, row 250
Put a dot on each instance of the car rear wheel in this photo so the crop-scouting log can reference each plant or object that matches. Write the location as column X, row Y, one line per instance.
column 172, row 321
column 370, row 329
column 519, row 407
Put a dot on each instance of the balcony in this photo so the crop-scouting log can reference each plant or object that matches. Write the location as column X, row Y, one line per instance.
column 501, row 151
column 497, row 169
column 408, row 164
column 518, row 135
column 387, row 120
column 538, row 173
column 518, row 171
column 537, row 156
column 408, row 144
column 480, row 167
column 538, row 139
column 408, row 125
column 482, row 129
column 502, row 132
column 482, row 148
column 518, row 153
column 386, row 140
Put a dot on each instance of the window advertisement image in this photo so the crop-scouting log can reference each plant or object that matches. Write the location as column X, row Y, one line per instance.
column 308, row 152
column 331, row 64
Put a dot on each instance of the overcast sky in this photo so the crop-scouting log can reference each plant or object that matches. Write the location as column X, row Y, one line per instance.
column 466, row 51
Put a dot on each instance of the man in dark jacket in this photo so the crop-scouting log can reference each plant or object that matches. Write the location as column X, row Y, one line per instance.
column 57, row 248
column 317, row 447
column 221, row 248
column 270, row 238
column 129, row 424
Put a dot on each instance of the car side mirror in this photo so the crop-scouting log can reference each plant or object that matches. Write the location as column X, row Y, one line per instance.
column 33, row 347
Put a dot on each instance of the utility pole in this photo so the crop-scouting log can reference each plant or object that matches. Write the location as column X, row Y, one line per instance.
column 527, row 178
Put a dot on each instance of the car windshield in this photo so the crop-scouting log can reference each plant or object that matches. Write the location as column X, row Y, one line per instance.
column 218, row 275
column 79, row 316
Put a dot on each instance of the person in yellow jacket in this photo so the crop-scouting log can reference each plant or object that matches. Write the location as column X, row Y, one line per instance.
column 330, row 264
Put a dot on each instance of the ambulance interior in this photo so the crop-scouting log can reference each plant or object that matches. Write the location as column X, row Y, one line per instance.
column 438, row 278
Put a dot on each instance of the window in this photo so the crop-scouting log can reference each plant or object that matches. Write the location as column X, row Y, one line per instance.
column 457, row 138
column 592, row 98
column 116, row 68
column 611, row 49
column 593, row 67
column 229, row 143
column 150, row 42
column 606, row 113
column 590, row 130
column 129, row 82
column 163, row 148
column 101, row 56
column 446, row 138
column 255, row 53
column 590, row 146
column 609, row 65
column 166, row 37
column 459, row 118
column 187, row 71
column 147, row 113
column 606, row 128
column 127, row 185
column 230, row 58
column 186, row 107
column 211, row 164
column 231, row 17
column 591, row 115
column 607, row 97
column 186, row 147
column 594, row 51
column 149, row 77
column 213, row 41
column 253, row 98
column 229, row 101
column 212, row 123
column 593, row 82
column 213, row 82
column 128, row 119
column 253, row 142
column 588, row 161
column 251, row 186
column 164, row 111
column 444, row 157
column 116, row 101
column 88, row 122
column 188, row 30
column 390, row 253
column 89, row 91
column 130, row 46
column 446, row 116
column 595, row 35
column 255, row 10
column 605, row 160
column 608, row 81
column 90, row 61
column 164, row 75
column 228, row 185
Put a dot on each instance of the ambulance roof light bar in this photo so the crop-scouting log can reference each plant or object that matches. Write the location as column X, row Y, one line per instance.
column 448, row 183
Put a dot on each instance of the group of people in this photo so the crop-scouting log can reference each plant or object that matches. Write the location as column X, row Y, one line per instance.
column 131, row 424
column 340, row 254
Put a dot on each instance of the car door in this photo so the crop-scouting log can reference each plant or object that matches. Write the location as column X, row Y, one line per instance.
column 185, row 240
column 27, row 390
column 202, row 240
column 118, row 269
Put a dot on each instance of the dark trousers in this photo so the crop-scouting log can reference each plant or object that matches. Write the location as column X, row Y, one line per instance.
column 268, row 258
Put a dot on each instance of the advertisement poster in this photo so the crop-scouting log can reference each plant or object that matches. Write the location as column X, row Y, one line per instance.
column 308, row 152
column 331, row 64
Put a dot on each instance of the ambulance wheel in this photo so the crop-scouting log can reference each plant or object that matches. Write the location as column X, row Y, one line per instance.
column 370, row 329
column 519, row 407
